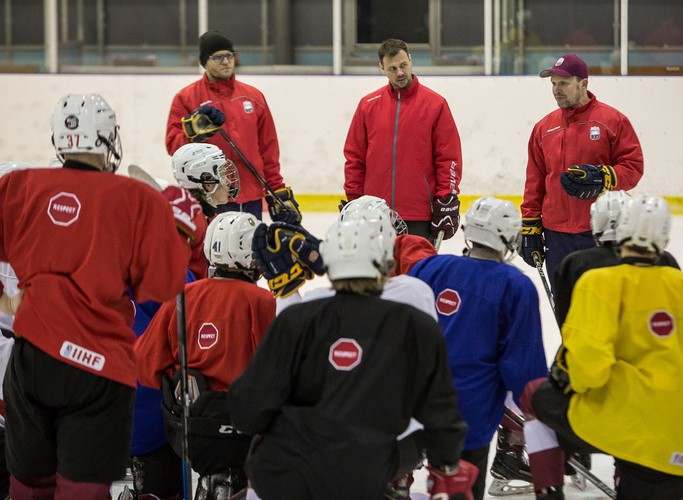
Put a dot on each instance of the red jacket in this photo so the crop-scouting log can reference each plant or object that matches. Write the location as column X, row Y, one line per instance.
column 79, row 241
column 403, row 146
column 248, row 123
column 594, row 133
column 225, row 318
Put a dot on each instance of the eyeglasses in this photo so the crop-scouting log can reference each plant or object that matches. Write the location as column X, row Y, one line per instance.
column 219, row 57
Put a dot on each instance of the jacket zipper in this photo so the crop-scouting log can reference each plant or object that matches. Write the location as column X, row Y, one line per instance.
column 393, row 153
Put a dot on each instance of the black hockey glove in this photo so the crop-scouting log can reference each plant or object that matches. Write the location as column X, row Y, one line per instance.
column 445, row 216
column 559, row 375
column 304, row 246
column 276, row 261
column 532, row 241
column 290, row 213
column 588, row 181
column 203, row 123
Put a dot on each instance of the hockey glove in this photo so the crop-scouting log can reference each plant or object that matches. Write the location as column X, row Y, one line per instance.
column 203, row 123
column 559, row 374
column 588, row 181
column 290, row 213
column 342, row 204
column 275, row 260
column 452, row 484
column 532, row 241
column 10, row 305
column 304, row 247
column 445, row 216
column 187, row 212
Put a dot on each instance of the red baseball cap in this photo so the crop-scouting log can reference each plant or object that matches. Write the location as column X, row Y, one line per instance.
column 567, row 65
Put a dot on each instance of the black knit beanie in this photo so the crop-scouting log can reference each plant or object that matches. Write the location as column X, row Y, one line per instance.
column 210, row 42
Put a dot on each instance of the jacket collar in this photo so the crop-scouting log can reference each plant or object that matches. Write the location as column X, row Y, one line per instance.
column 568, row 113
column 405, row 93
column 220, row 86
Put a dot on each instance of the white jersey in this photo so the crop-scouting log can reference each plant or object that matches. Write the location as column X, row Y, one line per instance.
column 402, row 288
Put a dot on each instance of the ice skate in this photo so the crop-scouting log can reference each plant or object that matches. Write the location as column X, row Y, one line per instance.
column 399, row 489
column 578, row 479
column 510, row 469
column 221, row 485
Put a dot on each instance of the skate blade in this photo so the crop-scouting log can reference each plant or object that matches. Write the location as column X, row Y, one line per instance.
column 504, row 488
column 578, row 481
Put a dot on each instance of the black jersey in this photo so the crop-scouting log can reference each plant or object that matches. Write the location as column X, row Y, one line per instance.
column 331, row 386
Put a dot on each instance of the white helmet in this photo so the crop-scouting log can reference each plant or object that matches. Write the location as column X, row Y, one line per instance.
column 374, row 202
column 495, row 224
column 11, row 166
column 358, row 248
column 645, row 224
column 605, row 214
column 197, row 164
column 228, row 240
column 84, row 123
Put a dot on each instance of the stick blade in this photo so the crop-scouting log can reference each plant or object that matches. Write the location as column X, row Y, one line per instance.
column 140, row 174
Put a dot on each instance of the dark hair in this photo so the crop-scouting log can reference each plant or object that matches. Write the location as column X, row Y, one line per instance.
column 391, row 47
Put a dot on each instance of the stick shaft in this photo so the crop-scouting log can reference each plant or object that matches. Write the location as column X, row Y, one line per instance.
column 184, row 387
column 539, row 268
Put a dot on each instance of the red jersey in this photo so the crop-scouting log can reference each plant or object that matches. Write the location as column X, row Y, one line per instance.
column 248, row 123
column 225, row 321
column 403, row 146
column 594, row 133
column 80, row 241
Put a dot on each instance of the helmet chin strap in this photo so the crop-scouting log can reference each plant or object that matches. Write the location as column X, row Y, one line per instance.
column 208, row 194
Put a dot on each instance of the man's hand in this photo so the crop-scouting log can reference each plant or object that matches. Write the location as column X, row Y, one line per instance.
column 186, row 211
column 452, row 483
column 445, row 216
column 532, row 241
column 202, row 123
column 588, row 181
column 10, row 305
column 290, row 213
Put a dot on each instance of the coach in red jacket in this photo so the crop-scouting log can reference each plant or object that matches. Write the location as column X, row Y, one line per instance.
column 403, row 146
column 241, row 111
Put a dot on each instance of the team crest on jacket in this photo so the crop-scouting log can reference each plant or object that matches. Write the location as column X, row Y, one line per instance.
column 448, row 302
column 662, row 324
column 64, row 209
column 595, row 133
column 248, row 107
column 207, row 336
column 345, row 354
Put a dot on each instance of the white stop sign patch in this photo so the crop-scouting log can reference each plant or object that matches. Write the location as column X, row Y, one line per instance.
column 207, row 336
column 345, row 354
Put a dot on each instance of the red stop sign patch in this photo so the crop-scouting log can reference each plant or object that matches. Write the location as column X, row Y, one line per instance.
column 662, row 324
column 64, row 209
column 345, row 354
column 207, row 336
column 448, row 302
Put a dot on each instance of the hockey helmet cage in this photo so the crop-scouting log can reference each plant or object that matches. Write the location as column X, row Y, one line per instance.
column 495, row 224
column 196, row 164
column 11, row 166
column 228, row 240
column 375, row 202
column 358, row 248
column 84, row 123
column 645, row 224
column 605, row 215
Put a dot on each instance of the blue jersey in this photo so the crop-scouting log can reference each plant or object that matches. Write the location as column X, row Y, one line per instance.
column 148, row 421
column 488, row 312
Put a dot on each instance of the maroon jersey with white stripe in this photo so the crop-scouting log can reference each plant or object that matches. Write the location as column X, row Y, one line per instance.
column 80, row 241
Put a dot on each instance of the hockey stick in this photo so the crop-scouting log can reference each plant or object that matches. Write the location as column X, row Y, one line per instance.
column 539, row 268
column 439, row 239
column 141, row 175
column 184, row 389
column 252, row 169
column 580, row 468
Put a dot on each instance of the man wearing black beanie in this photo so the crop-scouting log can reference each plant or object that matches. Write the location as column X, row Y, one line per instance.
column 242, row 113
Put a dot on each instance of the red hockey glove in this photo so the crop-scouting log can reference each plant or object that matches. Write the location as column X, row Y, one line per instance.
column 588, row 181
column 454, row 485
column 187, row 212
column 290, row 213
column 445, row 216
column 532, row 241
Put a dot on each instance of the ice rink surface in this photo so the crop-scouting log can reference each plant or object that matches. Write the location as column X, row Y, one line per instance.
column 318, row 222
